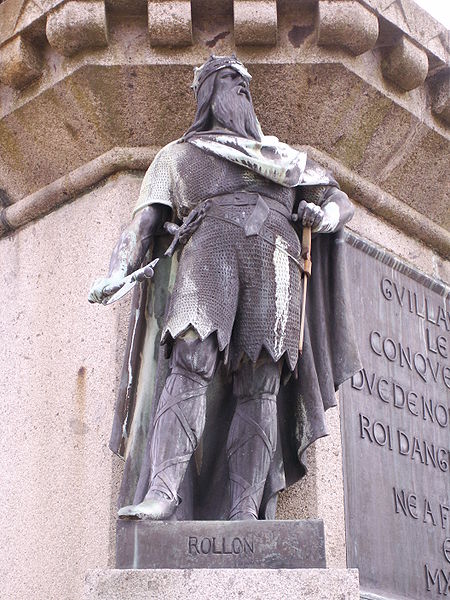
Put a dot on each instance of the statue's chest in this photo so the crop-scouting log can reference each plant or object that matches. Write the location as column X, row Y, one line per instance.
column 214, row 176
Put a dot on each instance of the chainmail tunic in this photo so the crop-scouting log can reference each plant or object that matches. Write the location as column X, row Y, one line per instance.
column 246, row 289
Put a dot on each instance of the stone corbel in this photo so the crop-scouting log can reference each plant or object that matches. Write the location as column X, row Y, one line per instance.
column 405, row 64
column 170, row 23
column 76, row 25
column 440, row 95
column 255, row 22
column 347, row 24
column 20, row 62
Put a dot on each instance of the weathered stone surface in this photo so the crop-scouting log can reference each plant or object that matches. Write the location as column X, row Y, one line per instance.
column 20, row 63
column 18, row 15
column 220, row 545
column 255, row 22
column 379, row 231
column 407, row 16
column 61, row 361
column 89, row 114
column 170, row 23
column 389, row 207
column 60, row 191
column 348, row 24
column 76, row 25
column 321, row 493
column 230, row 584
column 387, row 139
column 440, row 95
column 124, row 7
column 405, row 64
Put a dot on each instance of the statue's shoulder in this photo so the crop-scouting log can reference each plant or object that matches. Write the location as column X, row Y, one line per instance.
column 174, row 152
column 315, row 175
column 169, row 163
column 166, row 159
column 176, row 148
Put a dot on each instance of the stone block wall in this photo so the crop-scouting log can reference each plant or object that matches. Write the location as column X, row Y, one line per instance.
column 61, row 358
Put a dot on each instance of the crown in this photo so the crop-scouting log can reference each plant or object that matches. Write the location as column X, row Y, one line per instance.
column 215, row 63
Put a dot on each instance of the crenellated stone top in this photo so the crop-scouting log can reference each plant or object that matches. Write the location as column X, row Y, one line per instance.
column 415, row 45
column 366, row 82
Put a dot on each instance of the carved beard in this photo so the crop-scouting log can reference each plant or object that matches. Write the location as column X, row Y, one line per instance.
column 235, row 112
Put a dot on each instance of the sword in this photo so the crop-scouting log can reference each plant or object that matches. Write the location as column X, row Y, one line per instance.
column 131, row 280
column 128, row 282
column 306, row 255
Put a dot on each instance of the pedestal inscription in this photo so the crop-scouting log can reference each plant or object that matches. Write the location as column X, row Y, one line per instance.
column 396, row 430
column 220, row 544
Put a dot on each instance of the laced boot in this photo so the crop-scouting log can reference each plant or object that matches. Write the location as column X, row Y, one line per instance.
column 178, row 426
column 252, row 438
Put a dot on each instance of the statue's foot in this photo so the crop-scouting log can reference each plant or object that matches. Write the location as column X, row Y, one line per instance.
column 155, row 507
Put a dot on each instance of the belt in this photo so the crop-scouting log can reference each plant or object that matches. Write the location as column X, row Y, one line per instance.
column 254, row 224
column 250, row 199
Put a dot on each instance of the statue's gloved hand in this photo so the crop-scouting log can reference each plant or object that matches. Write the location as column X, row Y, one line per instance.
column 103, row 288
column 309, row 214
column 144, row 273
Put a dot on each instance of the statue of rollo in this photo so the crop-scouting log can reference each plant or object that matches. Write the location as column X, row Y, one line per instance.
column 238, row 404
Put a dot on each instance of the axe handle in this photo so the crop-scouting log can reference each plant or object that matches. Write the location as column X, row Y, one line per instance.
column 306, row 255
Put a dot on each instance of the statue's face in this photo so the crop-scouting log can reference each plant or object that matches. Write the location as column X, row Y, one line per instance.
column 229, row 80
column 232, row 104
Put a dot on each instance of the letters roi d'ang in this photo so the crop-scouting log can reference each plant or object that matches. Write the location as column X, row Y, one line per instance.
column 420, row 406
column 423, row 402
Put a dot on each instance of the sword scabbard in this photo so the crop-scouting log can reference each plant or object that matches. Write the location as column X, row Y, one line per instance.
column 306, row 255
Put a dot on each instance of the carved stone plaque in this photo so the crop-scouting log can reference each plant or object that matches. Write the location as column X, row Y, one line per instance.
column 396, row 430
column 220, row 544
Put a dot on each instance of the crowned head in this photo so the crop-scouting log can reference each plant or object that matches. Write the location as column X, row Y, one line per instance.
column 224, row 102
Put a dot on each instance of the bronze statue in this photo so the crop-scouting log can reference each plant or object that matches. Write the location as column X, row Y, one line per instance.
column 235, row 202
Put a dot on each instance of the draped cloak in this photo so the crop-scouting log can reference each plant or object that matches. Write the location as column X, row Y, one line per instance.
column 329, row 357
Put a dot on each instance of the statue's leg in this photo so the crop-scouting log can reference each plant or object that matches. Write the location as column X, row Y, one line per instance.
column 178, row 425
column 253, row 435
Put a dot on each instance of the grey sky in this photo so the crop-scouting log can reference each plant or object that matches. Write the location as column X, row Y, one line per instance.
column 439, row 9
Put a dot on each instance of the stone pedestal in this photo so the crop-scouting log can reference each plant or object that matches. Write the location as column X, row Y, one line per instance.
column 220, row 544
column 200, row 560
column 222, row 584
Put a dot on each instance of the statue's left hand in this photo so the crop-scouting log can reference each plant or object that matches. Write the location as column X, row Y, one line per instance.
column 309, row 214
column 146, row 272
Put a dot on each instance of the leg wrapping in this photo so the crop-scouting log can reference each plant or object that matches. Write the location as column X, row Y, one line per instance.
column 180, row 418
column 253, row 436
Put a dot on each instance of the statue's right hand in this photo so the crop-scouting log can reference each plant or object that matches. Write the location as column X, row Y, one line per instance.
column 103, row 288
